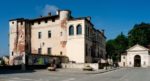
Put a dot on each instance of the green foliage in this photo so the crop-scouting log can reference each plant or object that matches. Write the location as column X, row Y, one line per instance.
column 117, row 46
column 121, row 44
column 110, row 47
column 140, row 34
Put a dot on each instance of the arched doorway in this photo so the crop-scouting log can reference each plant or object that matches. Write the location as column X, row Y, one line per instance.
column 137, row 61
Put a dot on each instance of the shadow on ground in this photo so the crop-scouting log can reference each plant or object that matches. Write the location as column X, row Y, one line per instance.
column 13, row 69
column 6, row 71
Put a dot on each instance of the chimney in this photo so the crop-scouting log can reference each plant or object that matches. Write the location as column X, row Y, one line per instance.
column 57, row 12
column 41, row 16
column 103, row 31
column 49, row 14
column 88, row 18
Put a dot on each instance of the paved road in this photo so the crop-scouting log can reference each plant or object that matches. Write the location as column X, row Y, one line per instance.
column 124, row 74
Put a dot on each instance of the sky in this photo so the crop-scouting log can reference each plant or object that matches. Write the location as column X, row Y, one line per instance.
column 114, row 16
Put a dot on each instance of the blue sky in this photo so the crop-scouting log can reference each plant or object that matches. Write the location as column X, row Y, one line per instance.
column 114, row 16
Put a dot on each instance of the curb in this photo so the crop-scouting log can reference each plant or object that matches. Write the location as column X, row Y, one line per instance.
column 102, row 71
column 88, row 72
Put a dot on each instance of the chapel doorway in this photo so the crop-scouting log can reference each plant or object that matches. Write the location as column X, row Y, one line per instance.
column 137, row 61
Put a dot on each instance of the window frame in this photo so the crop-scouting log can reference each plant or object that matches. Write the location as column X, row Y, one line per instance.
column 39, row 50
column 46, row 21
column 39, row 35
column 49, row 34
column 61, row 53
column 12, row 53
column 71, row 30
column 39, row 22
column 49, row 51
column 79, row 29
column 61, row 33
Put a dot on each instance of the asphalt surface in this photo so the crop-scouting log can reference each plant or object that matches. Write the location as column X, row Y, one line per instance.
column 123, row 74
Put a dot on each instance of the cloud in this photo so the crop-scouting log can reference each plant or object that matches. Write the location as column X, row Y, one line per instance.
column 49, row 9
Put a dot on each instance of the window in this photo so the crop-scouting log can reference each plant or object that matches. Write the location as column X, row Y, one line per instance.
column 124, row 57
column 124, row 64
column 39, row 50
column 53, row 20
column 86, row 30
column 32, row 23
column 86, row 50
column 130, row 63
column 39, row 35
column 79, row 29
column 49, row 51
column 71, row 30
column 144, row 63
column 61, row 53
column 45, row 21
column 49, row 34
column 12, row 53
column 89, row 51
column 39, row 22
column 61, row 33
column 89, row 32
column 21, row 23
column 99, row 55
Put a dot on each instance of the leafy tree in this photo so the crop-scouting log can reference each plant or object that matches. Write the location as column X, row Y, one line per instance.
column 116, row 46
column 140, row 34
column 121, row 42
column 110, row 48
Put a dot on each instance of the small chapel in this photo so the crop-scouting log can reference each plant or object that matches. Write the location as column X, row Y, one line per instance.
column 136, row 56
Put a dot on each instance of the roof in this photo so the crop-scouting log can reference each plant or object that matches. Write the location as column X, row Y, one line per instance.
column 148, row 46
column 45, row 18
column 18, row 19
column 37, row 19
column 124, row 53
column 42, row 17
column 81, row 18
column 138, row 47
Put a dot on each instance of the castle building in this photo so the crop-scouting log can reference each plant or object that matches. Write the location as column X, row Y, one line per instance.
column 59, row 35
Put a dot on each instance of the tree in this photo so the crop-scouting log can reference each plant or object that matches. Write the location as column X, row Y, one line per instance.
column 116, row 47
column 110, row 48
column 121, row 42
column 140, row 34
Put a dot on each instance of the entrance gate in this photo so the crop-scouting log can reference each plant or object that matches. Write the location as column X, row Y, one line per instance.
column 137, row 61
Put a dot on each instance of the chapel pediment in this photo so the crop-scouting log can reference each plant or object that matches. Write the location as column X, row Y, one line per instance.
column 138, row 47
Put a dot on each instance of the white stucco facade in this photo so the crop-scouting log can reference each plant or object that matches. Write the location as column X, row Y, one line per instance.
column 136, row 56
column 51, row 35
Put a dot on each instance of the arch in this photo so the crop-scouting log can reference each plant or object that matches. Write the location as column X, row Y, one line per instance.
column 71, row 30
column 79, row 29
column 137, row 61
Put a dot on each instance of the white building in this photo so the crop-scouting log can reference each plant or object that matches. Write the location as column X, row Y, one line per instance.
column 56, row 35
column 136, row 56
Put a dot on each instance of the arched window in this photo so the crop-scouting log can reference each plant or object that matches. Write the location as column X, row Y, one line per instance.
column 79, row 29
column 71, row 30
